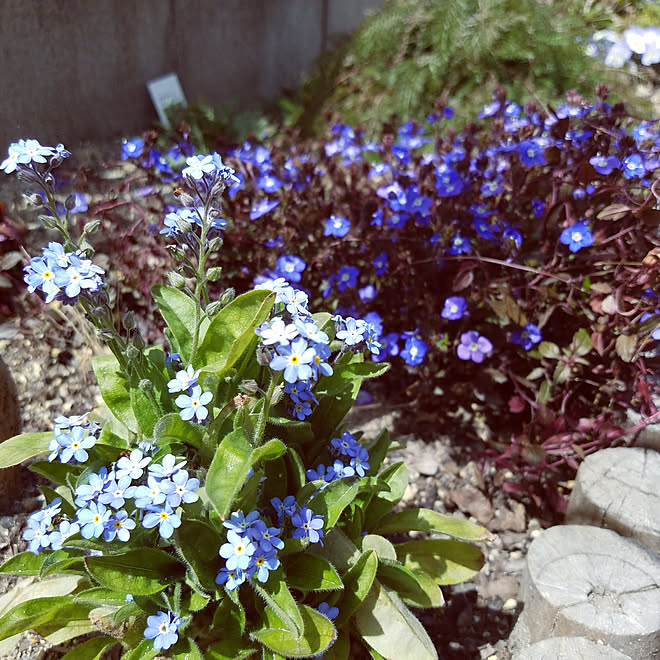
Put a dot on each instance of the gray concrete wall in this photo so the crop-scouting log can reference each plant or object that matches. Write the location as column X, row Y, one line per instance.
column 73, row 70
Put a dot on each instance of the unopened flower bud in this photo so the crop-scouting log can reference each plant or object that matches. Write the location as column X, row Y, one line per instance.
column 70, row 202
column 98, row 312
column 277, row 395
column 128, row 322
column 227, row 296
column 25, row 173
column 146, row 386
column 218, row 188
column 185, row 199
column 249, row 386
column 138, row 341
column 180, row 251
column 91, row 226
column 132, row 353
column 264, row 356
column 213, row 308
column 216, row 243
column 48, row 221
column 176, row 280
column 106, row 334
column 188, row 270
column 33, row 199
column 182, row 225
column 214, row 273
column 177, row 253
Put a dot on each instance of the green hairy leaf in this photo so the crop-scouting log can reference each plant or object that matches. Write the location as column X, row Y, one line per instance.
column 277, row 595
column 92, row 649
column 51, row 612
column 228, row 471
column 232, row 330
column 21, row 447
column 24, row 563
column 172, row 429
column 270, row 451
column 198, row 544
column 146, row 413
column 143, row 651
column 380, row 545
column 178, row 310
column 114, row 390
column 357, row 583
column 332, row 500
column 319, row 633
column 309, row 572
column 415, row 587
column 447, row 562
column 427, row 520
column 388, row 626
column 138, row 572
column 225, row 651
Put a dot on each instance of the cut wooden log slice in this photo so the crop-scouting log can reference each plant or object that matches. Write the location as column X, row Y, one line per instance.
column 583, row 581
column 619, row 488
column 570, row 648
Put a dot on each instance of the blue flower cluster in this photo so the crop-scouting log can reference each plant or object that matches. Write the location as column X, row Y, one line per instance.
column 102, row 502
column 45, row 529
column 293, row 174
column 207, row 177
column 460, row 197
column 29, row 158
column 301, row 347
column 163, row 628
column 194, row 401
column 357, row 334
column 209, row 171
column 250, row 550
column 618, row 50
column 73, row 436
column 63, row 276
column 350, row 460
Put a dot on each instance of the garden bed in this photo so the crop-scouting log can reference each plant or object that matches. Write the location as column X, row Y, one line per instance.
column 53, row 375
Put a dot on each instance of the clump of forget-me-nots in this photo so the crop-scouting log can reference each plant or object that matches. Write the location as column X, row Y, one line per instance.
column 147, row 520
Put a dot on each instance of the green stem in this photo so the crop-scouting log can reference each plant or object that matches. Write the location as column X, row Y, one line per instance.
column 260, row 426
column 200, row 286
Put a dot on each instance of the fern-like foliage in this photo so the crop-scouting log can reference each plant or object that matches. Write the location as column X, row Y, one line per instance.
column 412, row 52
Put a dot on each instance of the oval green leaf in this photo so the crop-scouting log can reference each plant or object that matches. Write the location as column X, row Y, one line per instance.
column 178, row 310
column 415, row 587
column 357, row 583
column 232, row 329
column 319, row 633
column 447, row 562
column 92, row 649
column 138, row 572
column 332, row 500
column 277, row 595
column 228, row 471
column 114, row 390
column 387, row 625
column 309, row 572
column 427, row 520
column 21, row 447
